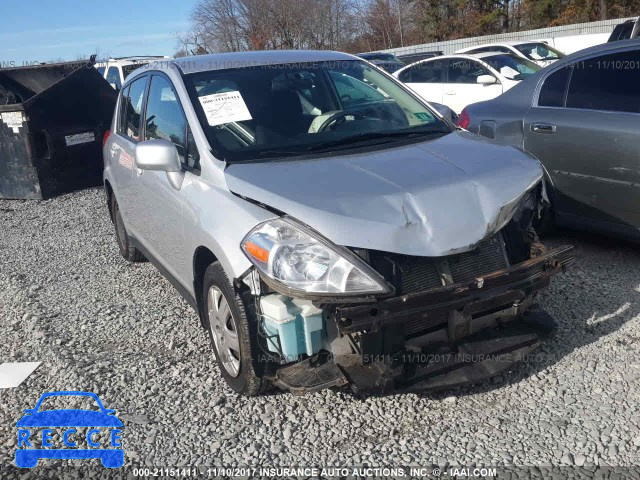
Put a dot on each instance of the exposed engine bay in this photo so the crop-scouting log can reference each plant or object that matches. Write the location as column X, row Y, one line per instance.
column 445, row 321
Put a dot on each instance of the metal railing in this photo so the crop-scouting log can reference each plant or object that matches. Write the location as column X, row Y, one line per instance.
column 450, row 46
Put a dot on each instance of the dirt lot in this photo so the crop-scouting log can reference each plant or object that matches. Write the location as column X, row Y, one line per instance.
column 99, row 324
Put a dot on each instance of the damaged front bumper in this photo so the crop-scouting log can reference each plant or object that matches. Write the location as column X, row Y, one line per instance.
column 479, row 328
column 501, row 287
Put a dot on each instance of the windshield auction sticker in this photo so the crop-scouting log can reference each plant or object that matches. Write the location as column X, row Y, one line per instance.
column 225, row 107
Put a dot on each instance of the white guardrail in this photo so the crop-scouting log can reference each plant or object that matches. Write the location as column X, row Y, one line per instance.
column 566, row 38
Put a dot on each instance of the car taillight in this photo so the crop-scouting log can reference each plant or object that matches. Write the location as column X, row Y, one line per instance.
column 105, row 137
column 464, row 120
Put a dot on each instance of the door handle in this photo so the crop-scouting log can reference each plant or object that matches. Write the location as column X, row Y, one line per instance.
column 543, row 128
column 450, row 92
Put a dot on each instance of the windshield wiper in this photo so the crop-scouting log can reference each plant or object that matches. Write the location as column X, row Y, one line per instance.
column 283, row 152
column 354, row 141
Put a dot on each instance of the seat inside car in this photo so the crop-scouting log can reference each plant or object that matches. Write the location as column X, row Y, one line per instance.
column 280, row 114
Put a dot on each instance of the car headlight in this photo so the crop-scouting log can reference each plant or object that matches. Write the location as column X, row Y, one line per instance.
column 302, row 261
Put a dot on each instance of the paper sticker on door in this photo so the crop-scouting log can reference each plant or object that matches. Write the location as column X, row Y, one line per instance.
column 79, row 138
column 14, row 120
column 225, row 107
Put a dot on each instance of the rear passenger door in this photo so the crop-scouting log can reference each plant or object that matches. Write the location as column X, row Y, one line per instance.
column 426, row 79
column 159, row 203
column 585, row 128
column 122, row 151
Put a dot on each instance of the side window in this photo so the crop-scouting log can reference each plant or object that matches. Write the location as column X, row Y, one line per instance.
column 100, row 71
column 113, row 76
column 124, row 106
column 165, row 118
column 608, row 82
column 554, row 88
column 465, row 71
column 425, row 72
column 132, row 109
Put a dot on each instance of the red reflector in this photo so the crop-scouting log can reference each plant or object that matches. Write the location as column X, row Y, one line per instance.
column 464, row 120
column 106, row 137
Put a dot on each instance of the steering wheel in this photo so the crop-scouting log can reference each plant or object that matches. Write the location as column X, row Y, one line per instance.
column 339, row 117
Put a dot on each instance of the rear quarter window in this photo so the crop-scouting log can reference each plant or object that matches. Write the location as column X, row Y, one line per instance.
column 554, row 89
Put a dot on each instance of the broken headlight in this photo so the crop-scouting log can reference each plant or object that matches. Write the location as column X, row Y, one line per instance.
column 301, row 260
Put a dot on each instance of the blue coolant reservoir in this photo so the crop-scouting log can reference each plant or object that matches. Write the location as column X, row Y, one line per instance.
column 295, row 325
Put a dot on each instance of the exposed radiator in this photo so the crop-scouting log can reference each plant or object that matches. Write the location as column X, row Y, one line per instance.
column 414, row 274
column 488, row 257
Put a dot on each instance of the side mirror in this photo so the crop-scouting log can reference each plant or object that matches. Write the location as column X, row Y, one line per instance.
column 160, row 155
column 486, row 80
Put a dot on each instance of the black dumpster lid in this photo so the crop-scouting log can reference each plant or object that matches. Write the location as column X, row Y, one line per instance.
column 18, row 85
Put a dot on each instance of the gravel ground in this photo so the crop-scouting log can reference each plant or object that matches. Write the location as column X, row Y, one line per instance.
column 97, row 323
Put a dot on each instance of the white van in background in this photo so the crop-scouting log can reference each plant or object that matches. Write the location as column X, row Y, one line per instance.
column 116, row 70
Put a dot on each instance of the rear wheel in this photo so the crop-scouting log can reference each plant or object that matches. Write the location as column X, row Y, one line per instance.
column 127, row 250
column 230, row 332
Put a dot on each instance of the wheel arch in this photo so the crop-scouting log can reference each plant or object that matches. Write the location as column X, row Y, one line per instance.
column 202, row 258
column 109, row 192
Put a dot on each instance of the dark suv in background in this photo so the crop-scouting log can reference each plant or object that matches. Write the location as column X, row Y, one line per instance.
column 625, row 30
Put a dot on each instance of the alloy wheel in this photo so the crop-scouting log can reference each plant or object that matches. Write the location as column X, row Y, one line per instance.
column 223, row 331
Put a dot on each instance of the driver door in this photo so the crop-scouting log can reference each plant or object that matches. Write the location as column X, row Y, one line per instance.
column 159, row 203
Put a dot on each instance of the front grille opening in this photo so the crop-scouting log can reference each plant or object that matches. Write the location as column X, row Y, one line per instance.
column 410, row 274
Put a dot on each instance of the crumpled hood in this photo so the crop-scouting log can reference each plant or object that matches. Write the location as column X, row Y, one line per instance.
column 430, row 199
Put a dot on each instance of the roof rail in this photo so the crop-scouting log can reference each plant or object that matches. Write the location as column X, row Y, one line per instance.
column 139, row 57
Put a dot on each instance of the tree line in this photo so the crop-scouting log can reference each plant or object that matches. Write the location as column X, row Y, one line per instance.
column 367, row 25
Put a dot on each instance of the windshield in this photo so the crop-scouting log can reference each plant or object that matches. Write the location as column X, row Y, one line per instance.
column 538, row 51
column 388, row 57
column 512, row 67
column 127, row 69
column 388, row 66
column 294, row 109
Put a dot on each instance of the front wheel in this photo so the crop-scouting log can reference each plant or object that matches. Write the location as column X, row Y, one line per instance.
column 228, row 326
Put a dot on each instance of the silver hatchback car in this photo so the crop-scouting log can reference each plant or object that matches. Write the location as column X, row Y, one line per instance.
column 328, row 226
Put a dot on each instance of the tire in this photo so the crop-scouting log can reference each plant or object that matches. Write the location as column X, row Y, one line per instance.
column 127, row 250
column 232, row 338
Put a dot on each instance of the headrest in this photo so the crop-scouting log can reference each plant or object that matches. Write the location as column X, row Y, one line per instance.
column 287, row 84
